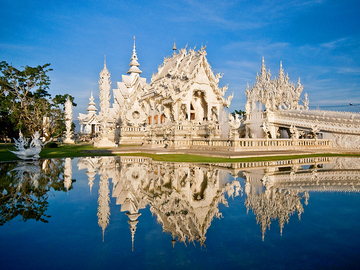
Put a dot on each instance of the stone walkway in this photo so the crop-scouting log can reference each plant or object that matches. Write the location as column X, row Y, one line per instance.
column 223, row 154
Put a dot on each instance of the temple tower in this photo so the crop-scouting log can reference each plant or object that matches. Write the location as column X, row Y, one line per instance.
column 104, row 95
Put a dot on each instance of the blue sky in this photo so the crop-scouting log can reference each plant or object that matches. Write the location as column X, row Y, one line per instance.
column 318, row 41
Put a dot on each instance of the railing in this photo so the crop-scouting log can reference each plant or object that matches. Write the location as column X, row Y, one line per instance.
column 276, row 163
column 242, row 144
column 132, row 129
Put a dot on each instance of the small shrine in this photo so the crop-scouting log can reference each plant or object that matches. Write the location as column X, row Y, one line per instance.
column 89, row 123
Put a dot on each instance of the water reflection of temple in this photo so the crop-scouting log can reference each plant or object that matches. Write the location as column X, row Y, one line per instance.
column 276, row 190
column 185, row 197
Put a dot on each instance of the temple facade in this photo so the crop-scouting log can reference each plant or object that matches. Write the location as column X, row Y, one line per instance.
column 183, row 107
column 275, row 109
column 182, row 101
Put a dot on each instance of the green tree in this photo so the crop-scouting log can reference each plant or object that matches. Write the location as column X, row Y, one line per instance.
column 239, row 112
column 26, row 103
column 25, row 92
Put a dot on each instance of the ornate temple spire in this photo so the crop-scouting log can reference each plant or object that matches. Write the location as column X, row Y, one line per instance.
column 68, row 121
column 281, row 73
column 134, row 63
column 91, row 109
column 263, row 68
column 174, row 47
column 104, row 86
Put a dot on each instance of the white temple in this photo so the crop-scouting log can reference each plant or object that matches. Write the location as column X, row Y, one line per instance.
column 284, row 117
column 183, row 107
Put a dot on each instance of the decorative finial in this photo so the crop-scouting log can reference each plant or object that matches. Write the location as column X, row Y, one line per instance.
column 134, row 63
column 104, row 60
column 174, row 47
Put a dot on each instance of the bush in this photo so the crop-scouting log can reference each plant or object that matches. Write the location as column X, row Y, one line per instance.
column 51, row 145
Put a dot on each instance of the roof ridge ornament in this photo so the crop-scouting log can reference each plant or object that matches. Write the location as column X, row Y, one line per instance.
column 134, row 62
column 174, row 47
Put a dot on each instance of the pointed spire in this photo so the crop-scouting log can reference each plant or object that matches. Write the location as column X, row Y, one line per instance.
column 91, row 109
column 281, row 73
column 263, row 69
column 134, row 63
column 105, row 71
column 174, row 47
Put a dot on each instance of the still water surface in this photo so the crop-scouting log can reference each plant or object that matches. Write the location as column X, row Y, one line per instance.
column 135, row 213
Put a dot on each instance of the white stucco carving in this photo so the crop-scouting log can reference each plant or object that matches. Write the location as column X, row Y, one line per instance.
column 104, row 85
column 285, row 117
column 26, row 150
column 68, row 121
column 136, row 115
column 183, row 107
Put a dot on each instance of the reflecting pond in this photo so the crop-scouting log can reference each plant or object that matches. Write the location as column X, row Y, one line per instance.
column 133, row 212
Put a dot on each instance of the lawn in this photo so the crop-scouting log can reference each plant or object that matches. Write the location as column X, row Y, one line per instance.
column 82, row 150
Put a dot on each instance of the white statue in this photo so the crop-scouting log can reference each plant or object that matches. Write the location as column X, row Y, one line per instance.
column 266, row 128
column 183, row 114
column 306, row 102
column 295, row 134
column 31, row 152
column 199, row 110
column 234, row 121
column 214, row 114
column 315, row 130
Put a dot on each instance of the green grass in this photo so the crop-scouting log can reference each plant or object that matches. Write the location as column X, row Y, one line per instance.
column 61, row 151
column 83, row 150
